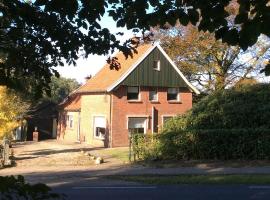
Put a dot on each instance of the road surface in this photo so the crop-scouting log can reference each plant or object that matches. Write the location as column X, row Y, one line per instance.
column 103, row 189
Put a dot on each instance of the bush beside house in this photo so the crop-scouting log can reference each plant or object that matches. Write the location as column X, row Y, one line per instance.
column 229, row 124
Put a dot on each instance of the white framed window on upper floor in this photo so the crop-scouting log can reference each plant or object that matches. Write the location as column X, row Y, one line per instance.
column 153, row 94
column 156, row 65
column 70, row 121
column 173, row 94
column 133, row 93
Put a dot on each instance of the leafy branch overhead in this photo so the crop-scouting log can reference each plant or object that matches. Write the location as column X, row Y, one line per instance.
column 209, row 63
column 36, row 36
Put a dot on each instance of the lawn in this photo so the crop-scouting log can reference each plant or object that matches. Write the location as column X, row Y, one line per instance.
column 120, row 153
column 205, row 163
column 196, row 179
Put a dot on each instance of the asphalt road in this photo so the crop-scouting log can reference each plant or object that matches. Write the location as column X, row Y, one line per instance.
column 132, row 191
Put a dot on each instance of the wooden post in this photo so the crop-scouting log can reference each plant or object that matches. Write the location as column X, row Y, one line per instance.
column 129, row 155
column 35, row 136
column 7, row 161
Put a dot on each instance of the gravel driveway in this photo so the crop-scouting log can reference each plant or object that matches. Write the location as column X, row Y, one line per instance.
column 51, row 153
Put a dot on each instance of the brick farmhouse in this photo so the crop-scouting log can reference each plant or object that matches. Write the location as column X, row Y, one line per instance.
column 138, row 97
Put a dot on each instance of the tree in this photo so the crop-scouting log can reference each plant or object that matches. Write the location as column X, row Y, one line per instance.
column 209, row 63
column 61, row 88
column 37, row 35
column 12, row 108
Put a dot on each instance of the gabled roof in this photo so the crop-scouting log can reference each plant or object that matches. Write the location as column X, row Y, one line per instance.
column 73, row 103
column 43, row 109
column 107, row 79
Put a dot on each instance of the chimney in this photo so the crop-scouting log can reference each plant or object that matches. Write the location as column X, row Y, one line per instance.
column 88, row 77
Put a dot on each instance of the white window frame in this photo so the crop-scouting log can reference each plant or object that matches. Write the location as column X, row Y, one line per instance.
column 178, row 95
column 156, row 65
column 163, row 116
column 139, row 94
column 139, row 116
column 156, row 89
column 94, row 127
column 68, row 121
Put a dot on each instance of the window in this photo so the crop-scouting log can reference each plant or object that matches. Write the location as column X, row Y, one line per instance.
column 99, row 127
column 100, row 132
column 172, row 94
column 156, row 65
column 137, row 124
column 70, row 121
column 133, row 93
column 153, row 95
column 166, row 118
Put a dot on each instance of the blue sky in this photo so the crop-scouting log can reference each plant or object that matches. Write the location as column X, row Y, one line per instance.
column 93, row 63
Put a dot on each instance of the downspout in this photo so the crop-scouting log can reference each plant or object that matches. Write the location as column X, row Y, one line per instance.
column 111, row 137
column 79, row 127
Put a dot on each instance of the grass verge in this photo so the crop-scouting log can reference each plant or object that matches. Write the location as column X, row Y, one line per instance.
column 205, row 163
column 120, row 153
column 196, row 179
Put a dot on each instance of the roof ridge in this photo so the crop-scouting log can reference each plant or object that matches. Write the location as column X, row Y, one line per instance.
column 99, row 84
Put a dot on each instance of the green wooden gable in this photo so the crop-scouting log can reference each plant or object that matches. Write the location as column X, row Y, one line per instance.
column 146, row 75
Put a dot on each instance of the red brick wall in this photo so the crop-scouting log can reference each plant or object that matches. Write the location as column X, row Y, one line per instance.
column 121, row 108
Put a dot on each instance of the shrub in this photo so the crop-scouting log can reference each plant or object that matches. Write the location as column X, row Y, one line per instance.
column 222, row 144
column 228, row 124
column 145, row 147
column 237, row 108
column 12, row 187
column 245, row 107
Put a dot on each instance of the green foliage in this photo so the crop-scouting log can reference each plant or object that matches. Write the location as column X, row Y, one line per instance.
column 145, row 147
column 229, row 124
column 36, row 36
column 241, row 107
column 221, row 144
column 12, row 187
column 61, row 88
column 231, row 144
column 245, row 106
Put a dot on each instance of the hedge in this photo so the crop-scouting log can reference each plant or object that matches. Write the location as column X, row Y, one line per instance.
column 221, row 144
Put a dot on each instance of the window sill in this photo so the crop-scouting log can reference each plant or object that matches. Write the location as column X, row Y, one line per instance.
column 175, row 102
column 99, row 138
column 134, row 101
column 157, row 102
